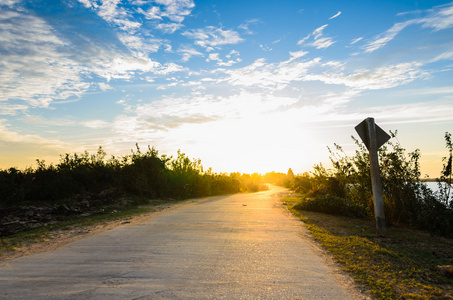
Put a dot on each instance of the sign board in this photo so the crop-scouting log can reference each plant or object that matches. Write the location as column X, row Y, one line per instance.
column 374, row 137
column 381, row 136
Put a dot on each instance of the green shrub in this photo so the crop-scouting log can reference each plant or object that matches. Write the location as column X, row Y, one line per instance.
column 346, row 189
column 143, row 174
column 332, row 205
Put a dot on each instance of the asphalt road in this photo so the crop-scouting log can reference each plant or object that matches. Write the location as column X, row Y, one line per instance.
column 245, row 246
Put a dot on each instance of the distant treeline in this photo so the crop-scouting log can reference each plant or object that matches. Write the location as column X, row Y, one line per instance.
column 143, row 174
column 346, row 188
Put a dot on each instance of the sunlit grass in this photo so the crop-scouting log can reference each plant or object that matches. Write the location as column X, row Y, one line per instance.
column 400, row 266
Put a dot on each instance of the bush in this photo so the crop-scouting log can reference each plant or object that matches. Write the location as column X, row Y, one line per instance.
column 332, row 205
column 143, row 174
column 346, row 189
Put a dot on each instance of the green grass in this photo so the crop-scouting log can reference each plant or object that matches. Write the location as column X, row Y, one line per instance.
column 112, row 213
column 400, row 266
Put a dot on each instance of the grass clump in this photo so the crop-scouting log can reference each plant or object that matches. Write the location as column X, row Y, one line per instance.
column 399, row 266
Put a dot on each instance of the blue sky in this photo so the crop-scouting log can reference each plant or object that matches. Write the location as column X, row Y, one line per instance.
column 243, row 85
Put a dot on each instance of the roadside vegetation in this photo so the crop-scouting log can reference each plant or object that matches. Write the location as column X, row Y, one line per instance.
column 85, row 184
column 403, row 265
column 337, row 207
column 346, row 188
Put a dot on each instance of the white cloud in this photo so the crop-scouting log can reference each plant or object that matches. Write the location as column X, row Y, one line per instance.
column 302, row 41
column 10, row 136
column 356, row 40
column 322, row 43
column 39, row 68
column 220, row 62
column 270, row 75
column 213, row 37
column 120, row 14
column 318, row 31
column 319, row 40
column 104, row 86
column 381, row 40
column 277, row 76
column 38, row 120
column 247, row 24
column 335, row 64
column 153, row 13
column 158, row 117
column 438, row 18
column 265, row 48
column 169, row 27
column 336, row 15
column 213, row 56
column 423, row 112
column 381, row 78
column 95, row 124
column 11, row 109
column 297, row 54
column 112, row 12
column 187, row 53
column 139, row 45
column 444, row 56
column 174, row 11
column 9, row 3
column 34, row 69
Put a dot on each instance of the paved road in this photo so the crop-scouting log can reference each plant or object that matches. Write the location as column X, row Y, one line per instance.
column 245, row 246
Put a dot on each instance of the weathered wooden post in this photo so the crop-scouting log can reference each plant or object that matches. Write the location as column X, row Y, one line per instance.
column 374, row 137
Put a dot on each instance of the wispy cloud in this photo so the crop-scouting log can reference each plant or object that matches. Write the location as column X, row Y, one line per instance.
column 10, row 136
column 169, row 14
column 213, row 37
column 104, row 86
column 95, row 124
column 356, row 40
column 381, row 40
column 336, row 15
column 113, row 12
column 188, row 52
column 233, row 58
column 380, row 78
column 10, row 3
column 139, row 45
column 39, row 67
column 170, row 112
column 117, row 13
column 415, row 113
column 297, row 54
column 319, row 40
column 270, row 75
column 438, row 18
column 448, row 55
column 170, row 27
column 11, row 109
column 34, row 69
column 246, row 26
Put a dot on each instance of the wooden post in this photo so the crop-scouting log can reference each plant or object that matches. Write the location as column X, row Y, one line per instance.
column 376, row 179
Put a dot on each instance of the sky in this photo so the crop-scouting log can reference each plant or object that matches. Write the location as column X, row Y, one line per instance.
column 245, row 86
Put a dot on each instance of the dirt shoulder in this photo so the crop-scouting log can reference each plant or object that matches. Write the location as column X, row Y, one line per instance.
column 61, row 237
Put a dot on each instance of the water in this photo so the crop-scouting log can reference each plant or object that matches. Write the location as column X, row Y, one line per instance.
column 434, row 186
